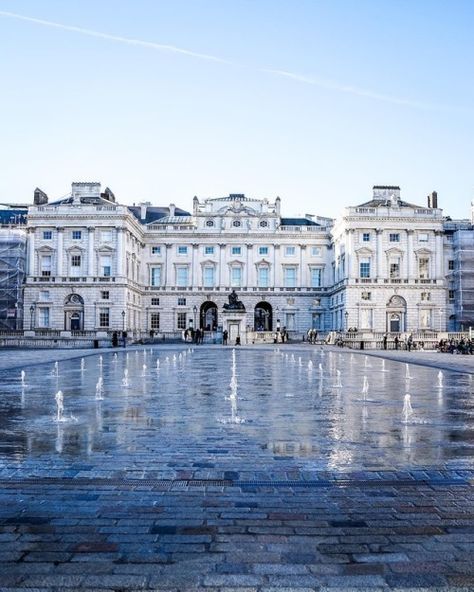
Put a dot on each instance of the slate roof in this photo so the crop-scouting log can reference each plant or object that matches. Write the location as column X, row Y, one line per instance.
column 156, row 213
column 13, row 217
column 298, row 222
column 385, row 203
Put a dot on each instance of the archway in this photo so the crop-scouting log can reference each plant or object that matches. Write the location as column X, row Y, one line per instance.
column 396, row 314
column 263, row 317
column 208, row 316
column 74, row 313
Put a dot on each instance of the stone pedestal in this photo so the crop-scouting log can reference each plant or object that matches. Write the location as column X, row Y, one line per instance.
column 234, row 322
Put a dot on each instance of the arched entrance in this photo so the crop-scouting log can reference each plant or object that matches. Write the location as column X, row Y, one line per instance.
column 74, row 313
column 396, row 314
column 208, row 316
column 263, row 317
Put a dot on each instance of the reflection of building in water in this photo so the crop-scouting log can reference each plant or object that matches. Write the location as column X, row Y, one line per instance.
column 285, row 448
column 100, row 267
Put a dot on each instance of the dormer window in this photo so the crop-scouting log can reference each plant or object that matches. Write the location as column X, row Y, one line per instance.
column 209, row 223
column 236, row 223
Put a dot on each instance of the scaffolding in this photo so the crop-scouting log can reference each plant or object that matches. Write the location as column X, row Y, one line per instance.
column 463, row 245
column 12, row 276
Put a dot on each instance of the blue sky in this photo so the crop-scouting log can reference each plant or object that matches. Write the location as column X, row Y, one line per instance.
column 314, row 101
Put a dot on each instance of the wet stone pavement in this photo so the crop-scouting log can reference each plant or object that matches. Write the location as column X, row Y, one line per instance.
column 154, row 488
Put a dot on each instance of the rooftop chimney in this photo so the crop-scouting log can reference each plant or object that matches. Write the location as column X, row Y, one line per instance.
column 172, row 210
column 108, row 195
column 433, row 200
column 39, row 197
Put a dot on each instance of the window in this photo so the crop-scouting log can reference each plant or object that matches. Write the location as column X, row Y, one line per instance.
column 236, row 223
column 290, row 251
column 263, row 277
column 394, row 237
column 155, row 302
column 364, row 267
column 236, row 277
column 425, row 296
column 451, row 264
column 316, row 273
column 236, row 250
column 155, row 276
column 263, row 250
column 181, row 320
column 423, row 267
column 451, row 294
column 105, row 265
column 208, row 276
column 43, row 318
column 46, row 265
column 394, row 268
column 47, row 235
column 366, row 296
column 263, row 224
column 182, row 276
column 366, row 237
column 289, row 277
column 208, row 250
column 181, row 301
column 423, row 237
column 315, row 251
column 105, row 295
column 182, row 250
column 209, row 223
column 290, row 321
column 104, row 317
column 75, row 261
column 44, row 295
column 155, row 321
column 366, row 318
column 76, row 235
column 156, row 250
column 106, row 236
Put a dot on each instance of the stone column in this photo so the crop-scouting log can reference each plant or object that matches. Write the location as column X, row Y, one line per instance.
column 409, row 266
column 302, row 274
column 195, row 280
column 59, row 251
column 168, row 262
column 119, row 259
column 438, row 255
column 249, row 268
column 276, row 266
column 221, row 271
column 90, row 252
column 350, row 253
column 31, row 251
column 379, row 253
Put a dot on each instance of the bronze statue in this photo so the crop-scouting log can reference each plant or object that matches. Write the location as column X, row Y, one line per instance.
column 234, row 302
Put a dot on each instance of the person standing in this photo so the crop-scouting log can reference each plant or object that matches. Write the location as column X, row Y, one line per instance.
column 225, row 336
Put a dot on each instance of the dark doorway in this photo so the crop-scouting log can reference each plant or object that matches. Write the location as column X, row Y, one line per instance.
column 263, row 318
column 208, row 316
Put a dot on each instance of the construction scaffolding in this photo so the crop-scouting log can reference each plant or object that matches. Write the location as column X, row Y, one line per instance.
column 463, row 245
column 12, row 276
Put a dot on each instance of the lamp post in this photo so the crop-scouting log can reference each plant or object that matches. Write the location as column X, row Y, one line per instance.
column 277, row 310
column 32, row 311
column 195, row 309
column 123, row 321
column 346, row 317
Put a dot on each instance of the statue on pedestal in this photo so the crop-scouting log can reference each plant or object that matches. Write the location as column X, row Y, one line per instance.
column 234, row 302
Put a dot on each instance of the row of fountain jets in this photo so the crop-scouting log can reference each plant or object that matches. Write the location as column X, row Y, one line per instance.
column 407, row 411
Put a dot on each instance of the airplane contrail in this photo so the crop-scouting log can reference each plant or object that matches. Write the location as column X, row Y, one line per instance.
column 313, row 81
column 117, row 38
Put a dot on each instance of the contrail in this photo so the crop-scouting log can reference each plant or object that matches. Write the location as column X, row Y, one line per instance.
column 117, row 38
column 313, row 81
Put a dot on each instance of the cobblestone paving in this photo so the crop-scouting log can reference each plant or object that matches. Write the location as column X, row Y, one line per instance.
column 203, row 528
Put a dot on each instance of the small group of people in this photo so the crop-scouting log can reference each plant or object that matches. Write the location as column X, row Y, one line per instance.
column 456, row 346
column 280, row 336
column 312, row 336
column 408, row 343
column 194, row 335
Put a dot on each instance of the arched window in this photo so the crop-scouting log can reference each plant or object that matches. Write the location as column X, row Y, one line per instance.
column 209, row 223
column 236, row 223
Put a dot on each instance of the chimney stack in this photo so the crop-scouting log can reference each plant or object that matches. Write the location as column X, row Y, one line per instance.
column 39, row 197
column 172, row 210
column 433, row 200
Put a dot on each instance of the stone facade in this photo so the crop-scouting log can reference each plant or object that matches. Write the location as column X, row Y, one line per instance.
column 97, row 266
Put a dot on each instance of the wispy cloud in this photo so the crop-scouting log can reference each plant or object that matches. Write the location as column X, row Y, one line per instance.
column 311, row 80
column 117, row 38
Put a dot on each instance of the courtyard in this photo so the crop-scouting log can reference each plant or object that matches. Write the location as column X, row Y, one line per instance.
column 259, row 468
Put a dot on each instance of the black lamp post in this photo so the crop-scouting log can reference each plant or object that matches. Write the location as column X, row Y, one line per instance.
column 346, row 316
column 32, row 311
column 195, row 308
column 123, row 320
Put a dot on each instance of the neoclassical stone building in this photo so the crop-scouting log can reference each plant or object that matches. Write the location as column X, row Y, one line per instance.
column 96, row 267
